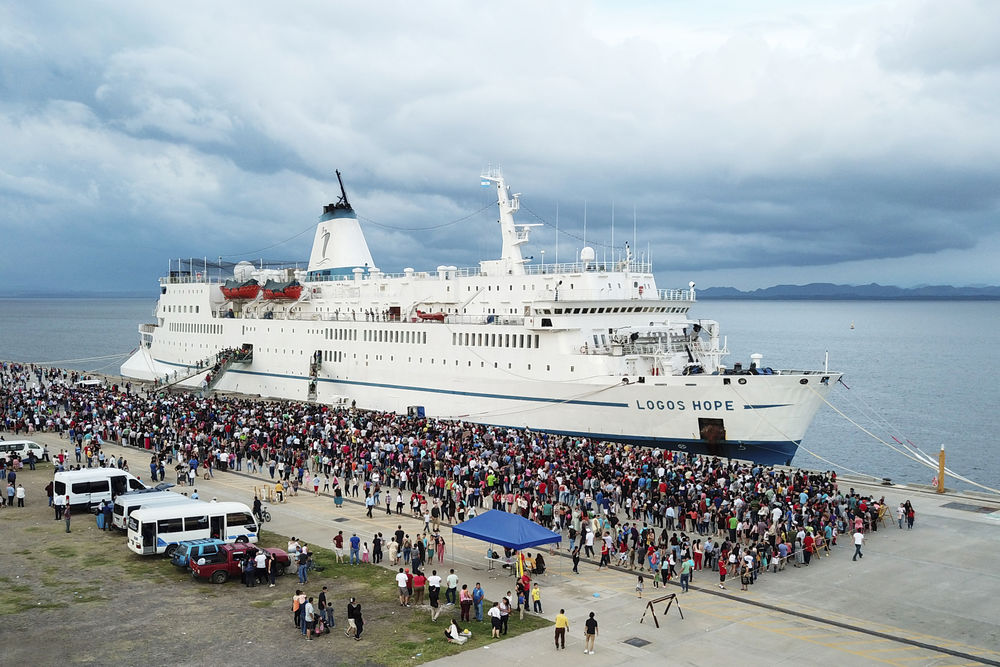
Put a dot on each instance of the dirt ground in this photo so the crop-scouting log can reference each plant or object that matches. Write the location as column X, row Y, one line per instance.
column 85, row 598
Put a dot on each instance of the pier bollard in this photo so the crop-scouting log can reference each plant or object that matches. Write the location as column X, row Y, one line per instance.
column 940, row 477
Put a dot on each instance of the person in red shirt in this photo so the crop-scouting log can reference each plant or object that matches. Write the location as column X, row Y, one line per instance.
column 808, row 546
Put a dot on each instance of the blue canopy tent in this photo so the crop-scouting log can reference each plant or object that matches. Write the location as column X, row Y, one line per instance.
column 506, row 529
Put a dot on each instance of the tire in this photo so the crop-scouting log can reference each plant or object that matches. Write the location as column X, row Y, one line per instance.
column 279, row 571
column 243, row 539
column 266, row 516
column 169, row 552
column 219, row 577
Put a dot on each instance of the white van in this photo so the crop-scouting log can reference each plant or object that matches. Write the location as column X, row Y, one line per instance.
column 11, row 449
column 88, row 487
column 157, row 530
column 130, row 502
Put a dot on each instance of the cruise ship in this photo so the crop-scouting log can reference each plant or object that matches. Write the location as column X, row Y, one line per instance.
column 588, row 349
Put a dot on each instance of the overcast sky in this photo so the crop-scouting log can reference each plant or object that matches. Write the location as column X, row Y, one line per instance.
column 757, row 142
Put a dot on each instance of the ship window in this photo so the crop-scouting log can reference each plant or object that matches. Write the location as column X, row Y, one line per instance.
column 425, row 336
column 506, row 340
column 536, row 341
column 572, row 369
column 496, row 365
column 521, row 340
column 558, row 311
column 529, row 341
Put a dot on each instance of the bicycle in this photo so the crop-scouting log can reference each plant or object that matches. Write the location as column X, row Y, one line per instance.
column 264, row 516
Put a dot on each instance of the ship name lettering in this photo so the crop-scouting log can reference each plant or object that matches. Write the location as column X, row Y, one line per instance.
column 680, row 405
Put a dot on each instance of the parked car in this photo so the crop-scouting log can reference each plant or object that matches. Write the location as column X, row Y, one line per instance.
column 189, row 551
column 228, row 562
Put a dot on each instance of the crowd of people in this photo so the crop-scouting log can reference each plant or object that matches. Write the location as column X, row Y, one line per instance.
column 643, row 509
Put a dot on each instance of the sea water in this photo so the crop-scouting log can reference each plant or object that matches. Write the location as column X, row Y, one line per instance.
column 919, row 371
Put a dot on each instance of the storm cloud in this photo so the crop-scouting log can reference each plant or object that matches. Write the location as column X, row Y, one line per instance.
column 796, row 142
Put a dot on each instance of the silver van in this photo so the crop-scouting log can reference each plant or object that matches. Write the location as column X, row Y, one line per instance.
column 88, row 487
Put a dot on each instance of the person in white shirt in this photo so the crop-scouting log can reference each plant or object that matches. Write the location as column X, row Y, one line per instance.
column 495, row 619
column 859, row 539
column 453, row 634
column 434, row 592
column 401, row 580
column 260, row 564
column 452, row 591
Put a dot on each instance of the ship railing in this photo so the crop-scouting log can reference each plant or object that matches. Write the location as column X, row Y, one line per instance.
column 675, row 295
column 612, row 294
column 675, row 345
column 589, row 267
column 197, row 278
column 147, row 328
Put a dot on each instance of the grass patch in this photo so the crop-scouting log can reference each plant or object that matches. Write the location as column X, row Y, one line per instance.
column 62, row 551
column 49, row 605
column 14, row 604
column 413, row 631
column 4, row 580
column 33, row 529
column 20, row 588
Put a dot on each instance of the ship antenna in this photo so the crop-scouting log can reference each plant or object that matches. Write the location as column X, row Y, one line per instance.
column 343, row 192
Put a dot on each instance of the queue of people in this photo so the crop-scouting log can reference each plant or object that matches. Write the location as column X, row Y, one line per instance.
column 631, row 507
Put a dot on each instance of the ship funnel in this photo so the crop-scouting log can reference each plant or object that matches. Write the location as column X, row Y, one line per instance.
column 339, row 245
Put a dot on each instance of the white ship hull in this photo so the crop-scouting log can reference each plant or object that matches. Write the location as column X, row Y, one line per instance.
column 580, row 350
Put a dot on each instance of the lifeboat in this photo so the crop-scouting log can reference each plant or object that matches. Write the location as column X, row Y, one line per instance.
column 436, row 317
column 234, row 290
column 275, row 291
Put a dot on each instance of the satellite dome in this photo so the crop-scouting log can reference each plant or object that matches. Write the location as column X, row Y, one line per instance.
column 587, row 254
column 243, row 271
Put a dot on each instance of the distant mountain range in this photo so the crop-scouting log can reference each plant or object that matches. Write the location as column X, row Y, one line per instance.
column 874, row 291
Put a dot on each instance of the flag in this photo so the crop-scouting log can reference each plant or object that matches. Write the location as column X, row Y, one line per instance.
column 484, row 182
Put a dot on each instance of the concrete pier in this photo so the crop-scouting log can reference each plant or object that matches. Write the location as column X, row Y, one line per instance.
column 925, row 596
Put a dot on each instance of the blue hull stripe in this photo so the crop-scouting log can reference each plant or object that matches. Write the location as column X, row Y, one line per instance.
column 765, row 452
column 453, row 392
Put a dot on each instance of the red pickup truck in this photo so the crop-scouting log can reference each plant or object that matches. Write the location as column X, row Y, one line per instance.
column 228, row 562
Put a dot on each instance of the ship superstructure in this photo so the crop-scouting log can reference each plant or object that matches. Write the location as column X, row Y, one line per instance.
column 589, row 349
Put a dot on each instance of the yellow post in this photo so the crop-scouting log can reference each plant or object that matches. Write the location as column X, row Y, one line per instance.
column 940, row 486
